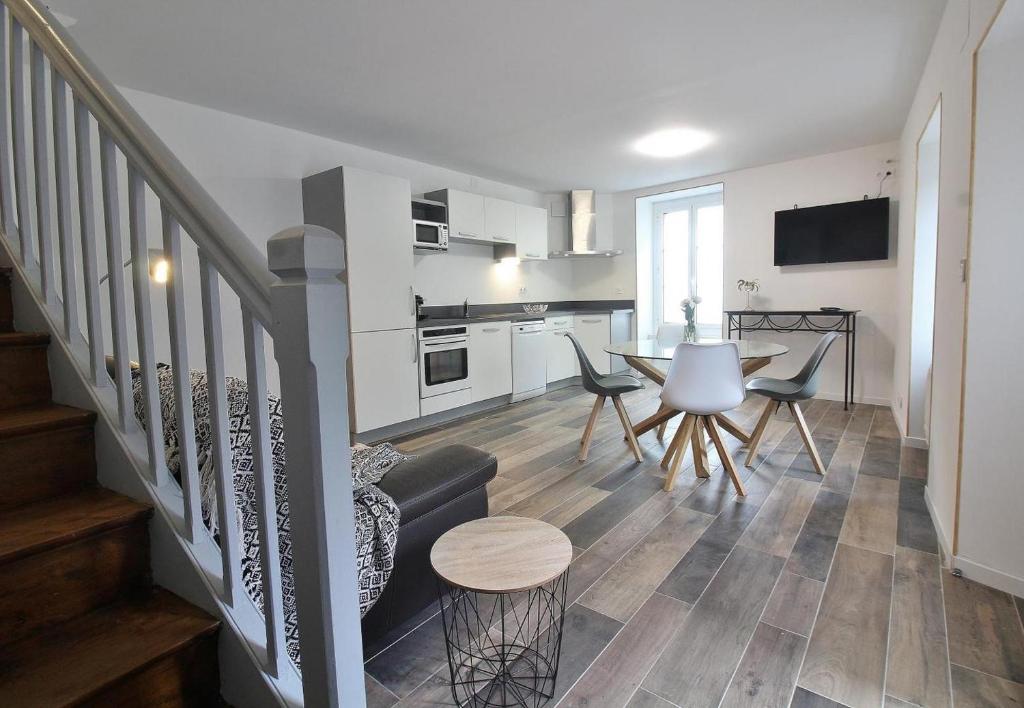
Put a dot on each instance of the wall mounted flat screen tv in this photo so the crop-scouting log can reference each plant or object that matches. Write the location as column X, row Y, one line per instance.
column 834, row 233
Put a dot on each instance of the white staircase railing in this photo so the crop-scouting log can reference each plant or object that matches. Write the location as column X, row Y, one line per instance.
column 53, row 98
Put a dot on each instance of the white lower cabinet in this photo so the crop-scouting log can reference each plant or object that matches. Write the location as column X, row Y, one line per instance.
column 594, row 333
column 490, row 359
column 385, row 378
column 561, row 355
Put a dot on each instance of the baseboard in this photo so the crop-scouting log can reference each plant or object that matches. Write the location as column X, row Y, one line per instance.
column 989, row 576
column 945, row 540
column 870, row 400
column 908, row 440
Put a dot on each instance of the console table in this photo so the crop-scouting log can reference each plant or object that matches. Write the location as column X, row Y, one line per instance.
column 842, row 321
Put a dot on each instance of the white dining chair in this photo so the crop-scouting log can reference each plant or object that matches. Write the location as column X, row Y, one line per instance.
column 703, row 379
column 668, row 332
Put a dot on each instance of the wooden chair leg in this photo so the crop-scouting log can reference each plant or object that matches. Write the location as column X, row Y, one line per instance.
column 620, row 408
column 805, row 433
column 672, row 446
column 661, row 431
column 588, row 432
column 723, row 453
column 683, row 435
column 762, row 423
column 701, row 467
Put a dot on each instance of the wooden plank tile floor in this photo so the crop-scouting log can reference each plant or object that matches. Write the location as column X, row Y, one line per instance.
column 808, row 592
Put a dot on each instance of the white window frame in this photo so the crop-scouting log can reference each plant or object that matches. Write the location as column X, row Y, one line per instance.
column 691, row 204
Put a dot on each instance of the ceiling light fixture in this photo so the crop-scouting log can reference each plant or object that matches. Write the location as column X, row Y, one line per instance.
column 673, row 142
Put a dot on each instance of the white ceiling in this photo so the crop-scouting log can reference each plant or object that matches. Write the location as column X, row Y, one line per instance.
column 546, row 94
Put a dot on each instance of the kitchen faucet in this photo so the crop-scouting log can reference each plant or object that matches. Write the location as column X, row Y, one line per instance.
column 465, row 308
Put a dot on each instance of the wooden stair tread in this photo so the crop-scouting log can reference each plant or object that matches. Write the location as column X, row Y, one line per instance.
column 85, row 656
column 43, row 525
column 35, row 419
column 24, row 339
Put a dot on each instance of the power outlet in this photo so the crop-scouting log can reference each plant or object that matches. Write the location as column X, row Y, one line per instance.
column 522, row 289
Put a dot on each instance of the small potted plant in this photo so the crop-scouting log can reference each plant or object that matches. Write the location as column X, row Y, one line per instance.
column 689, row 307
column 749, row 287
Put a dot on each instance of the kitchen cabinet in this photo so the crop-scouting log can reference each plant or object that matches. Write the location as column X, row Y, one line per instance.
column 465, row 213
column 371, row 213
column 385, row 379
column 490, row 359
column 531, row 233
column 499, row 220
column 594, row 334
column 561, row 355
column 621, row 330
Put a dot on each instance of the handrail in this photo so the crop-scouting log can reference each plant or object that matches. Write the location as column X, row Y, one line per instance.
column 235, row 256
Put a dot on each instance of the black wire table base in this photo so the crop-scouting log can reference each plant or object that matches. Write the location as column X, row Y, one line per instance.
column 503, row 648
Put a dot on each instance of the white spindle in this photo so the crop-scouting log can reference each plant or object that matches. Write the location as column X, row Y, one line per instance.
column 188, row 468
column 41, row 154
column 6, row 194
column 311, row 346
column 209, row 283
column 62, row 169
column 266, row 502
column 115, row 273
column 144, row 330
column 19, row 154
column 87, row 233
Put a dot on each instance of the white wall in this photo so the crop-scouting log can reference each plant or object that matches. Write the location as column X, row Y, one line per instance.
column 922, row 328
column 990, row 544
column 253, row 169
column 751, row 198
column 948, row 73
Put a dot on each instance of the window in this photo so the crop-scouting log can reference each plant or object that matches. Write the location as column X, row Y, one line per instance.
column 686, row 251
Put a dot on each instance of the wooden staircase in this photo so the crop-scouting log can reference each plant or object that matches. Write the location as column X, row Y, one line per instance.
column 80, row 622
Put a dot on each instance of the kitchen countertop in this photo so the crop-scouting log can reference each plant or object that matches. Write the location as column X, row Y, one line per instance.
column 516, row 316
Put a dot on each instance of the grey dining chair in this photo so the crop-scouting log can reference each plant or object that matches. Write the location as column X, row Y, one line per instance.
column 792, row 392
column 604, row 387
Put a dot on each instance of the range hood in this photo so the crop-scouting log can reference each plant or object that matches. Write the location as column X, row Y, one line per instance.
column 583, row 229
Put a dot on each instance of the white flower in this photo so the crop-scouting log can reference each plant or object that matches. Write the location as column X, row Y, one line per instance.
column 697, row 300
column 685, row 303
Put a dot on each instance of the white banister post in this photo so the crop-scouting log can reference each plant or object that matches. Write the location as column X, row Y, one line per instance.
column 310, row 320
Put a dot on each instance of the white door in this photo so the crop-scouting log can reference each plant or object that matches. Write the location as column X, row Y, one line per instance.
column 531, row 233
column 465, row 214
column 378, row 245
column 490, row 359
column 594, row 333
column 499, row 220
column 385, row 378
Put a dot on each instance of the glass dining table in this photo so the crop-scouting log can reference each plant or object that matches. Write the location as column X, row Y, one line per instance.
column 644, row 355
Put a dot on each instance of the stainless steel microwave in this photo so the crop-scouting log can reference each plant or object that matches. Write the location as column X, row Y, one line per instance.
column 429, row 225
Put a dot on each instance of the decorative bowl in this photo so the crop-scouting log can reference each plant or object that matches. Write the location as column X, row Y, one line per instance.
column 534, row 309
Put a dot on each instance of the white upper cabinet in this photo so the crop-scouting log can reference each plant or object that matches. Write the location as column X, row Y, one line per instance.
column 465, row 213
column 372, row 213
column 594, row 333
column 531, row 232
column 499, row 220
column 490, row 359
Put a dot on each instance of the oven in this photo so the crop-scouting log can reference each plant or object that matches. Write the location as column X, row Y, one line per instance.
column 444, row 360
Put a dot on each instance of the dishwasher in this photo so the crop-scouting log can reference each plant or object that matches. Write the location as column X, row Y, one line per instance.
column 529, row 359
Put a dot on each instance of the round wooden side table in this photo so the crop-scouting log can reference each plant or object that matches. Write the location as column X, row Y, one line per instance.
column 502, row 585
